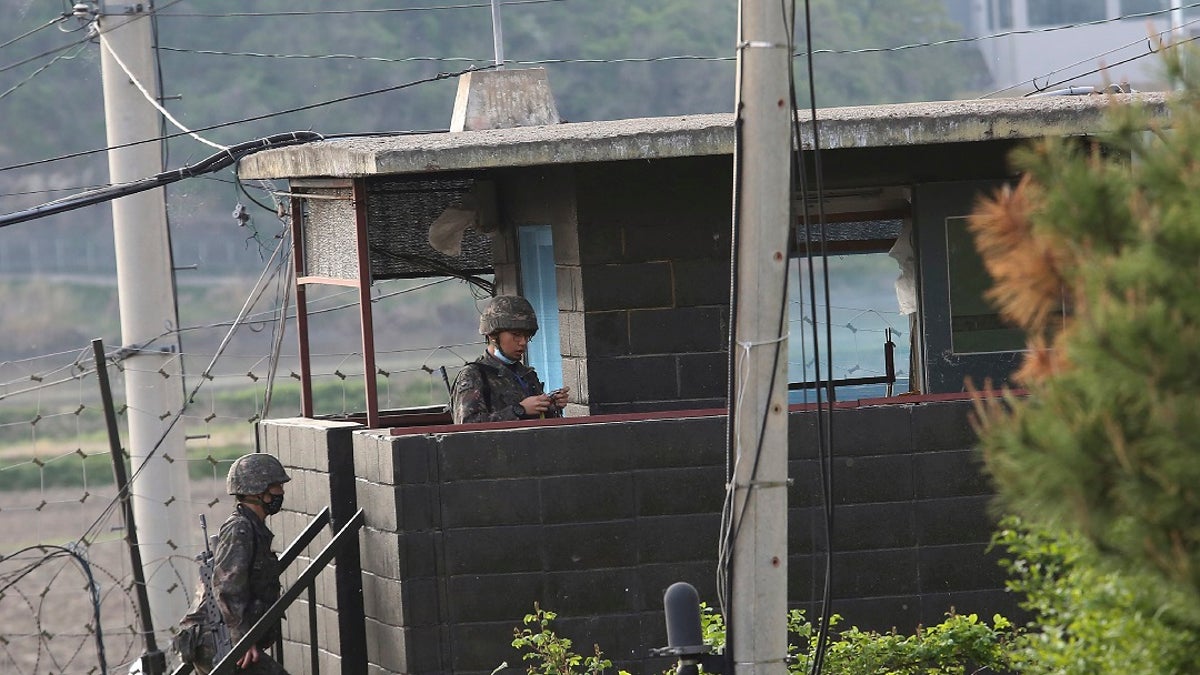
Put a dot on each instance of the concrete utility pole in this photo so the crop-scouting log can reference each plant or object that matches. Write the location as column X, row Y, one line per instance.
column 759, row 591
column 146, row 287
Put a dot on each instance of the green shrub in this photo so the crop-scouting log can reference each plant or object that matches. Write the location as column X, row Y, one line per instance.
column 960, row 645
column 550, row 653
column 1092, row 619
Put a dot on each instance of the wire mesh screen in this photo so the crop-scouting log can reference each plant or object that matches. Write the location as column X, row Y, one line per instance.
column 329, row 237
column 399, row 213
column 865, row 230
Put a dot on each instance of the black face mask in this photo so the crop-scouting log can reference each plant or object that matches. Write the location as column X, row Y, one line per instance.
column 274, row 506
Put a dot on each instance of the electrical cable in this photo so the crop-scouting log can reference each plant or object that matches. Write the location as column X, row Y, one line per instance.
column 153, row 101
column 824, row 414
column 324, row 12
column 212, row 163
column 724, row 579
column 62, row 17
column 255, row 118
column 1090, row 59
column 49, row 52
column 158, row 74
column 286, row 281
column 1101, row 69
column 250, row 300
column 61, row 57
column 1007, row 33
column 452, row 59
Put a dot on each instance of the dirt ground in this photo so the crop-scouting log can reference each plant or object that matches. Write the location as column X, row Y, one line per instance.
column 47, row 623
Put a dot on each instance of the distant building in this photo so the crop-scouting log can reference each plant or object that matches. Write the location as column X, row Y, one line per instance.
column 1044, row 58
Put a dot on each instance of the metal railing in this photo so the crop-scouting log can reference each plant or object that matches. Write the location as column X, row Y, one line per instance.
column 305, row 583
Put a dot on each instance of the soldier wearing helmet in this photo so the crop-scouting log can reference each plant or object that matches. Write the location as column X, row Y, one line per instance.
column 245, row 575
column 498, row 386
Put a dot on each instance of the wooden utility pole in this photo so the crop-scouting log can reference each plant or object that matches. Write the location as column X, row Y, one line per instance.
column 159, row 487
column 759, row 590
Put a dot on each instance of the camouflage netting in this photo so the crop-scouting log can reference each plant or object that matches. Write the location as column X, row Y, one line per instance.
column 399, row 213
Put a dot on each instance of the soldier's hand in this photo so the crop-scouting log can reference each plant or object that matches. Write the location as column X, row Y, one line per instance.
column 536, row 405
column 559, row 397
column 248, row 658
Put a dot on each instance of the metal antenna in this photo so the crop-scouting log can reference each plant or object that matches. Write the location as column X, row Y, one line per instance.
column 497, row 34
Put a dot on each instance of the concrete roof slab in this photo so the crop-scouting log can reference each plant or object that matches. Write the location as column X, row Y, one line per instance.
column 903, row 124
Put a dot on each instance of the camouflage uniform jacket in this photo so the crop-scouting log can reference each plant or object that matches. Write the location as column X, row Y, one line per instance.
column 245, row 573
column 489, row 390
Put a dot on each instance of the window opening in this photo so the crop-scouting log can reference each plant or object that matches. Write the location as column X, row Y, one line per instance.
column 1000, row 14
column 1057, row 12
column 540, row 288
column 1142, row 6
column 864, row 315
column 975, row 323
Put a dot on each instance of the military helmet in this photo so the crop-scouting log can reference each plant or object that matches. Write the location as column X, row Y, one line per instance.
column 252, row 474
column 508, row 312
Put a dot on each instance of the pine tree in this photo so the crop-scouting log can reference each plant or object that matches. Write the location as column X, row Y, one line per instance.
column 1096, row 254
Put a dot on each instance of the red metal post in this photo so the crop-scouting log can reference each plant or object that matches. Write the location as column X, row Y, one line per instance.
column 364, row 302
column 298, row 262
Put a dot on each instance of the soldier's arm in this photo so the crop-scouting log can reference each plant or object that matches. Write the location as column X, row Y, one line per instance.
column 469, row 405
column 231, row 576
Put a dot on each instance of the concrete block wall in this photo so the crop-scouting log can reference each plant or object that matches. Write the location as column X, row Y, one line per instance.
column 317, row 456
column 642, row 269
column 648, row 281
column 466, row 530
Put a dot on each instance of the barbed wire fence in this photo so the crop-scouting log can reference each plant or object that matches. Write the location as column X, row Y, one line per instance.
column 67, row 599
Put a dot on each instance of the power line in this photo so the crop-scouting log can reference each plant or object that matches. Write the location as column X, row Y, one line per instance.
column 152, row 100
column 326, row 12
column 1007, row 33
column 1090, row 59
column 452, row 59
column 51, row 22
column 56, row 59
column 255, row 118
column 679, row 57
column 212, row 163
column 46, row 53
column 1106, row 67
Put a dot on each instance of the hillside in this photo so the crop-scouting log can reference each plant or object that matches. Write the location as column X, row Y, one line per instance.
column 224, row 61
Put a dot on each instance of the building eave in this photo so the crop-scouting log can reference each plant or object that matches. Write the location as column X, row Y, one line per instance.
column 904, row 124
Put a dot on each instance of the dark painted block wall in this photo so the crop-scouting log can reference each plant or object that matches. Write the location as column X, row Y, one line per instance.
column 318, row 455
column 465, row 531
column 652, row 254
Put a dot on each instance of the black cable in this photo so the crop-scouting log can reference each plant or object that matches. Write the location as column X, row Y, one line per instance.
column 801, row 175
column 438, row 266
column 48, row 52
column 826, row 439
column 212, row 163
column 324, row 12
column 255, row 118
column 237, row 180
column 725, row 574
column 51, row 22
column 1107, row 67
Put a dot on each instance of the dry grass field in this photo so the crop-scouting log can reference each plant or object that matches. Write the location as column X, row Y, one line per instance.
column 46, row 615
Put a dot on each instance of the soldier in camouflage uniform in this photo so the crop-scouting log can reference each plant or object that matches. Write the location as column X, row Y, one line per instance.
column 245, row 579
column 497, row 386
